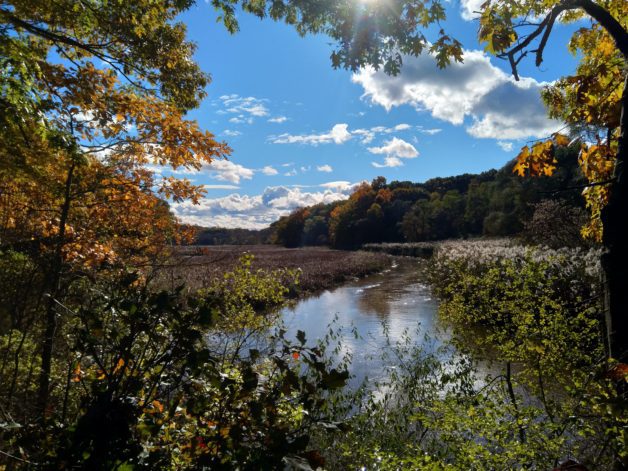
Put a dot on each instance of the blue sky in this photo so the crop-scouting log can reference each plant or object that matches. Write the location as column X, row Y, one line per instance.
column 304, row 133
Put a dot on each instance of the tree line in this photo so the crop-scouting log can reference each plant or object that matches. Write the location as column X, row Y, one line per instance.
column 492, row 203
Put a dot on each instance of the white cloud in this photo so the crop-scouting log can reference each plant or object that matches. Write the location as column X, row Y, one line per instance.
column 367, row 135
column 469, row 9
column 221, row 187
column 230, row 133
column 225, row 170
column 244, row 105
column 258, row 211
column 429, row 132
column 338, row 135
column 506, row 146
column 241, row 119
column 291, row 173
column 341, row 185
column 402, row 127
column 388, row 162
column 492, row 103
column 396, row 148
column 268, row 170
column 324, row 168
column 278, row 119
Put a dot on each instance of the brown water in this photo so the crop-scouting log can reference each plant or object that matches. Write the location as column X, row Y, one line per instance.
column 378, row 308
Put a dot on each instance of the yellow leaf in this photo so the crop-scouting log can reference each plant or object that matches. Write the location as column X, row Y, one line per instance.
column 561, row 140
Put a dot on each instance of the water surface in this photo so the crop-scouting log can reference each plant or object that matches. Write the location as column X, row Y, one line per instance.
column 394, row 301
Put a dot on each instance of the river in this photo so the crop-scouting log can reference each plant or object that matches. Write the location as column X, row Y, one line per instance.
column 377, row 308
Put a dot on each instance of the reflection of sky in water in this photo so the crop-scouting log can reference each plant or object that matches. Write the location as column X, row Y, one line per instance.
column 397, row 300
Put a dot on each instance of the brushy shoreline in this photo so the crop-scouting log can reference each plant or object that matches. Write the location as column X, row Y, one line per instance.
column 318, row 268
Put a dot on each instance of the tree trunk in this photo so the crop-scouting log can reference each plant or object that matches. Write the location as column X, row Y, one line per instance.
column 615, row 238
column 51, row 306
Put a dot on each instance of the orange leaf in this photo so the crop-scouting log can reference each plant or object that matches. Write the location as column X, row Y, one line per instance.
column 119, row 366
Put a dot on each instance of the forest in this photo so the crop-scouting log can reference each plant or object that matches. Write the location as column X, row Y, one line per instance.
column 495, row 203
column 126, row 346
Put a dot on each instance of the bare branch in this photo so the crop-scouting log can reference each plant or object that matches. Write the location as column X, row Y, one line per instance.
column 598, row 13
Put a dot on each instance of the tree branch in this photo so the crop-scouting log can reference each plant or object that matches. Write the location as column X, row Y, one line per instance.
column 607, row 21
column 595, row 11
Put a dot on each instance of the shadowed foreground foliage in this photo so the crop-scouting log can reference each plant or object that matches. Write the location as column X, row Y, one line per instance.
column 158, row 380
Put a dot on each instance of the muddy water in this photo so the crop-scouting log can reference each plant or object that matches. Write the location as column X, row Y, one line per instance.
column 367, row 313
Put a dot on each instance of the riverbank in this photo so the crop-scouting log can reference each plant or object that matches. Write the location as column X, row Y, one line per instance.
column 319, row 268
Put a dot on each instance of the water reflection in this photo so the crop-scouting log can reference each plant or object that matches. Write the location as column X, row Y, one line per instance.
column 380, row 307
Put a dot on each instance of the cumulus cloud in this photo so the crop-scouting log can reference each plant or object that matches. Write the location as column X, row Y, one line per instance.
column 230, row 133
column 225, row 170
column 396, row 148
column 338, row 134
column 341, row 185
column 469, row 9
column 257, row 211
column 278, row 119
column 491, row 102
column 241, row 119
column 388, row 162
column 324, row 168
column 506, row 146
column 402, row 127
column 268, row 170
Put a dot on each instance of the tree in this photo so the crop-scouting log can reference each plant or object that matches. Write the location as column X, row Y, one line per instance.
column 594, row 103
column 90, row 95
column 555, row 224
column 289, row 229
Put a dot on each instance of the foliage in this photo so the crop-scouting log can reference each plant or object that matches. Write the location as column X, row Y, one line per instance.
column 588, row 101
column 539, row 309
column 493, row 203
column 554, row 224
column 365, row 33
column 91, row 95
column 157, row 380
column 289, row 230
column 222, row 236
column 533, row 390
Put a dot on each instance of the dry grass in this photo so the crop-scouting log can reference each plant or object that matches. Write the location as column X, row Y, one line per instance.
column 321, row 268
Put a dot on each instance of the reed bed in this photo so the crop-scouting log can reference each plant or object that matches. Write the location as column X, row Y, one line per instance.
column 319, row 268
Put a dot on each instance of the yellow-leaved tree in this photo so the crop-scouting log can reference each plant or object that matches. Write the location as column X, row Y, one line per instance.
column 593, row 103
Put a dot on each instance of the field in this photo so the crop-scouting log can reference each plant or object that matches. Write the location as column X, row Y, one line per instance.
column 320, row 268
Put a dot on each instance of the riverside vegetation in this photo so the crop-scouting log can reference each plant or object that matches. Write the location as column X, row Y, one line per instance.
column 318, row 267
column 533, row 313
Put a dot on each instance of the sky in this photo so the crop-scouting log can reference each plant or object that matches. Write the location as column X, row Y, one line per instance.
column 303, row 133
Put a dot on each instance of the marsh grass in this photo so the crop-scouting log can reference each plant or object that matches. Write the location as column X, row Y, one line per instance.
column 319, row 268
